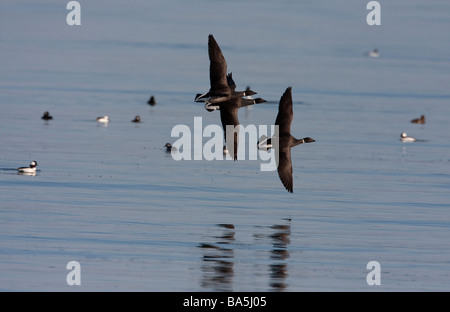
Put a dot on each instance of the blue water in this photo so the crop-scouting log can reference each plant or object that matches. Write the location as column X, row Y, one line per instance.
column 110, row 197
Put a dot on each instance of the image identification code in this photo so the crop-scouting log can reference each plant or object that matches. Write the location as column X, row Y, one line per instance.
column 247, row 301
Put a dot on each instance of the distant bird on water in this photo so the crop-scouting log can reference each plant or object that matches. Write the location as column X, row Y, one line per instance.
column 136, row 119
column 170, row 148
column 47, row 116
column 152, row 101
column 420, row 120
column 374, row 53
column 405, row 138
column 30, row 169
column 104, row 119
column 286, row 141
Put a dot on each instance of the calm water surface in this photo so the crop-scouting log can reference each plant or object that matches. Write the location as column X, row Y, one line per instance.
column 111, row 198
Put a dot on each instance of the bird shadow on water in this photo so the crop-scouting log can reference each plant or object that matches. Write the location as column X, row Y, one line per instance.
column 220, row 257
column 279, row 237
column 218, row 261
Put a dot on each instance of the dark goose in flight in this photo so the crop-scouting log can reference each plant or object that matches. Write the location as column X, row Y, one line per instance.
column 220, row 89
column 229, row 116
column 286, row 140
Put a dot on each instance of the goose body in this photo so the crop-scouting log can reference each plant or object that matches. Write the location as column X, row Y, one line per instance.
column 285, row 140
column 229, row 117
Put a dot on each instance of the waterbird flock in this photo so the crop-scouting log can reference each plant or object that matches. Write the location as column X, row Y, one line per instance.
column 405, row 138
column 223, row 96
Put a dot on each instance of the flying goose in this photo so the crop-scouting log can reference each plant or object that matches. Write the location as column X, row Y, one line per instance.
column 220, row 89
column 286, row 141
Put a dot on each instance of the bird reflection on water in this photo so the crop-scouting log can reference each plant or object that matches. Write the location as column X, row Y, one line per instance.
column 218, row 261
column 219, row 258
column 279, row 253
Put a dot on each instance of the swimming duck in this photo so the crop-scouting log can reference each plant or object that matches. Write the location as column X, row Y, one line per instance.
column 136, row 119
column 374, row 53
column 47, row 116
column 103, row 119
column 170, row 148
column 30, row 169
column 405, row 138
column 420, row 120
column 152, row 101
